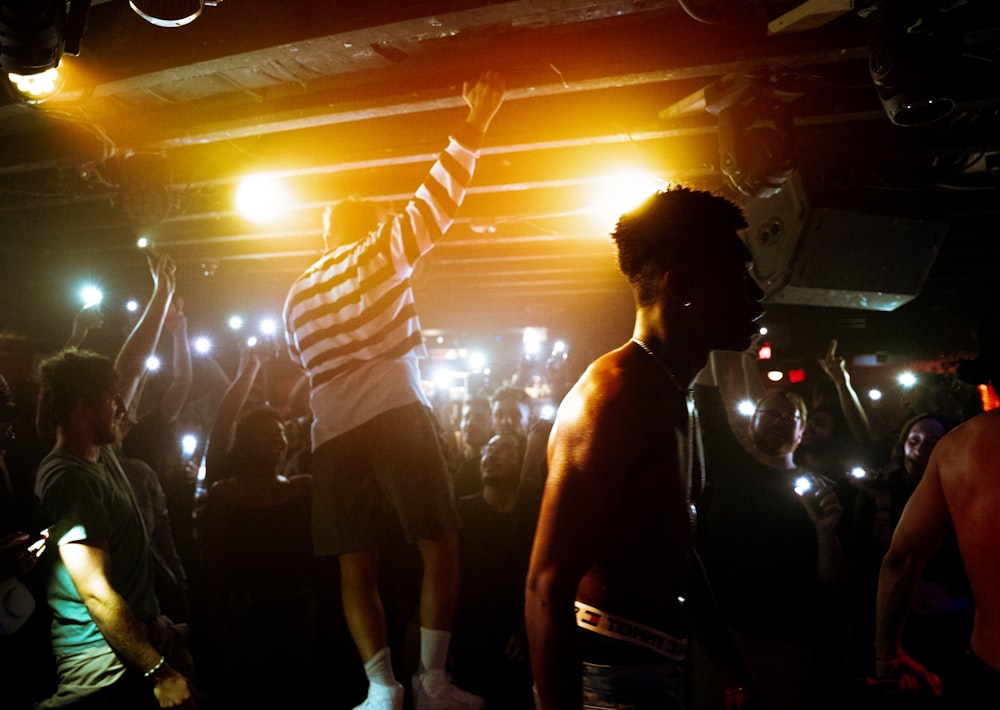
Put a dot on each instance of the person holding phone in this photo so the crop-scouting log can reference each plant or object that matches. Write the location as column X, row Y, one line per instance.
column 107, row 637
column 769, row 536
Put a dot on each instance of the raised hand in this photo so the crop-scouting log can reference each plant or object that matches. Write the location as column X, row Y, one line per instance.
column 175, row 315
column 163, row 270
column 484, row 99
column 832, row 364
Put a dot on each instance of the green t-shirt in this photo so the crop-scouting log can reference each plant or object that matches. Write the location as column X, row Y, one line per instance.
column 83, row 500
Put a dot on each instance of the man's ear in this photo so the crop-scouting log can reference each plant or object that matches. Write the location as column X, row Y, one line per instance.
column 679, row 285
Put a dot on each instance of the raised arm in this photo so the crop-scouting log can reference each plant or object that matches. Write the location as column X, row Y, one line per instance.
column 141, row 342
column 179, row 388
column 735, row 374
column 87, row 319
column 484, row 99
column 220, row 440
column 857, row 419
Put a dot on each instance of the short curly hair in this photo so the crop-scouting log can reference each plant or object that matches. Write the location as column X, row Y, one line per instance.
column 69, row 377
column 349, row 220
column 677, row 225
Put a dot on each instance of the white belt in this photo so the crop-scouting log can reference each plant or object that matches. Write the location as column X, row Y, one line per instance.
column 617, row 627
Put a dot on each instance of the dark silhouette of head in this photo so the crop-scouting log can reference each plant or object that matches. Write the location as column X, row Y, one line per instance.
column 673, row 227
column 348, row 221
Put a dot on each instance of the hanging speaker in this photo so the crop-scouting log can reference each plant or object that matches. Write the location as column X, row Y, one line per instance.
column 808, row 254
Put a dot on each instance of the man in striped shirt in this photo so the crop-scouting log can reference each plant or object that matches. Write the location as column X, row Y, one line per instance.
column 351, row 325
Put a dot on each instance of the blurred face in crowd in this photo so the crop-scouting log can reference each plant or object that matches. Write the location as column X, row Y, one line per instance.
column 510, row 417
column 820, row 427
column 501, row 462
column 777, row 425
column 477, row 425
column 920, row 441
column 268, row 442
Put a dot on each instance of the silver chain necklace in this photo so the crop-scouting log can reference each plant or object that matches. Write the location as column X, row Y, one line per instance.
column 694, row 442
column 674, row 380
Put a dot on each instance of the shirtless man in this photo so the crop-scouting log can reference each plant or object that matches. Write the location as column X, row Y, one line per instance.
column 612, row 553
column 959, row 489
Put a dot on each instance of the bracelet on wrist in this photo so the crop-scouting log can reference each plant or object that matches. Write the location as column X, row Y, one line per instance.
column 156, row 667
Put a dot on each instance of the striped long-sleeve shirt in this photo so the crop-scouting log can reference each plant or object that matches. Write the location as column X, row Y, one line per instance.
column 350, row 319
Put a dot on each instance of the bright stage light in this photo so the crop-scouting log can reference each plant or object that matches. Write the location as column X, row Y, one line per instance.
column 477, row 361
column 619, row 193
column 907, row 379
column 91, row 296
column 261, row 198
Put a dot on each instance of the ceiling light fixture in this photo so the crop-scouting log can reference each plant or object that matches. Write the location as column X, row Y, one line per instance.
column 909, row 71
column 169, row 13
column 33, row 38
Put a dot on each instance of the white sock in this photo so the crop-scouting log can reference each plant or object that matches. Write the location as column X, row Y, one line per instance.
column 379, row 668
column 433, row 649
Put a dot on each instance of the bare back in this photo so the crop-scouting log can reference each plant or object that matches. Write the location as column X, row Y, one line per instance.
column 635, row 526
column 968, row 463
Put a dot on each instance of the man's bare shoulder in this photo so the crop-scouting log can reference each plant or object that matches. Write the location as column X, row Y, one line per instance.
column 607, row 389
column 970, row 449
column 981, row 432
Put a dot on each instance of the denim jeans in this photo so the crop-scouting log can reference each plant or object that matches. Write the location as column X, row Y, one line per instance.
column 650, row 686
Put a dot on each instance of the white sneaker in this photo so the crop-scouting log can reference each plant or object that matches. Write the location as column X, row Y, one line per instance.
column 383, row 697
column 435, row 691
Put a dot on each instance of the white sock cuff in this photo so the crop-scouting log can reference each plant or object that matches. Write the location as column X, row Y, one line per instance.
column 433, row 648
column 379, row 668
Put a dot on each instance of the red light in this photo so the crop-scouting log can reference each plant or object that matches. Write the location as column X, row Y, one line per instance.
column 795, row 376
column 765, row 352
column 988, row 397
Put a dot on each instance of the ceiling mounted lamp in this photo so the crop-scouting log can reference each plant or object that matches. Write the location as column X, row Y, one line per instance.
column 756, row 151
column 907, row 66
column 36, row 88
column 31, row 35
column 34, row 36
column 170, row 13
column 756, row 131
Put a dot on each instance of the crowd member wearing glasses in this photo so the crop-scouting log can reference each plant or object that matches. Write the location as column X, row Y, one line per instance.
column 769, row 539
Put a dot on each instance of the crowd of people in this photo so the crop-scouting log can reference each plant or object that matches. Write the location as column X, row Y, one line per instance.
column 650, row 548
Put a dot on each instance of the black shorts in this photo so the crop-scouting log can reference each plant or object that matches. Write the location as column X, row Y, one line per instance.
column 394, row 458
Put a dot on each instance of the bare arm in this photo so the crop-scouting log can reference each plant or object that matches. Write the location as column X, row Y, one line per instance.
column 584, row 482
column 179, row 388
column 484, row 99
column 86, row 320
column 88, row 567
column 730, row 372
column 141, row 342
column 220, row 440
column 857, row 419
column 922, row 527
